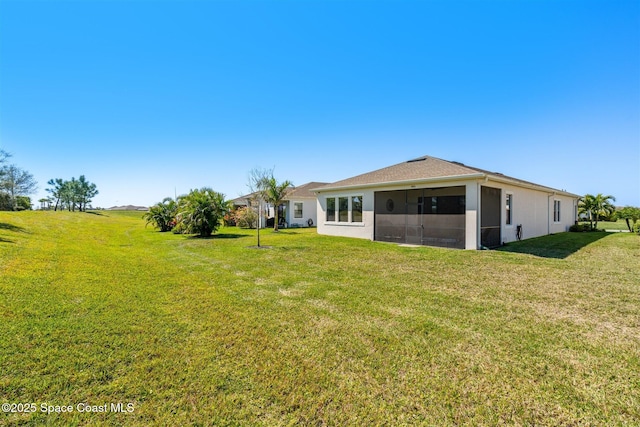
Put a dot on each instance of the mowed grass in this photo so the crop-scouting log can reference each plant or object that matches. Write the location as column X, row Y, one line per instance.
column 619, row 225
column 317, row 330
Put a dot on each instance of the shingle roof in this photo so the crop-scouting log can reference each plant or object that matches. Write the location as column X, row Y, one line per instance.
column 421, row 168
column 304, row 191
column 424, row 168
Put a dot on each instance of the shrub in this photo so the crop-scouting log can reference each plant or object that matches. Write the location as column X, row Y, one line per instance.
column 636, row 227
column 163, row 215
column 201, row 212
column 581, row 227
column 245, row 217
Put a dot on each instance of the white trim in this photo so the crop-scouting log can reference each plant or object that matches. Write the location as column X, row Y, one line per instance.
column 345, row 224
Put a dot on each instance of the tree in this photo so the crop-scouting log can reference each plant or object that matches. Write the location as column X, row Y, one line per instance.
column 45, row 203
column 596, row 206
column 270, row 190
column 76, row 193
column 23, row 203
column 201, row 212
column 56, row 189
column 630, row 214
column 4, row 156
column 163, row 215
column 69, row 194
column 86, row 192
column 15, row 182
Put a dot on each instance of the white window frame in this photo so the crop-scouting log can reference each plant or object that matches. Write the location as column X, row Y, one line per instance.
column 361, row 197
column 349, row 220
column 509, row 208
column 335, row 210
column 301, row 210
column 557, row 211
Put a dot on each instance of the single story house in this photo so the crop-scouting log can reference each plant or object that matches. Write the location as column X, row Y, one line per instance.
column 434, row 202
column 299, row 208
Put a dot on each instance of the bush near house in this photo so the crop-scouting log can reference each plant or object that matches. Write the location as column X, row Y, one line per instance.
column 200, row 212
column 245, row 217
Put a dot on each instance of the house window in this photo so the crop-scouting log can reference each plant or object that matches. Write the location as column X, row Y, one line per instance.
column 331, row 209
column 556, row 211
column 297, row 210
column 356, row 209
column 343, row 209
column 508, row 212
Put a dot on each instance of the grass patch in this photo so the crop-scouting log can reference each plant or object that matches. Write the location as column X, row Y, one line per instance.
column 317, row 330
column 619, row 225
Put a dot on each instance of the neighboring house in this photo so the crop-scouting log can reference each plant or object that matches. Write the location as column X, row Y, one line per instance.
column 299, row 208
column 434, row 202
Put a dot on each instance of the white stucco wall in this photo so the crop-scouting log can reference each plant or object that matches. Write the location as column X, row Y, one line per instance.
column 361, row 230
column 309, row 211
column 533, row 209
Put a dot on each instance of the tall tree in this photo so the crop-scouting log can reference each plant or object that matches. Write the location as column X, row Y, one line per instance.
column 57, row 186
column 76, row 193
column 16, row 182
column 70, row 194
column 86, row 192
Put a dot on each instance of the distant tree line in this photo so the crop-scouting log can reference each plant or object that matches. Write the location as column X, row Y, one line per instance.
column 73, row 195
column 15, row 185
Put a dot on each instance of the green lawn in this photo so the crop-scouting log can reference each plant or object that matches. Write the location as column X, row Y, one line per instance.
column 317, row 330
column 611, row 225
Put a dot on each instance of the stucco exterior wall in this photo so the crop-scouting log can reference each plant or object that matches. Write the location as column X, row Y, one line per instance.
column 533, row 209
column 309, row 211
column 361, row 230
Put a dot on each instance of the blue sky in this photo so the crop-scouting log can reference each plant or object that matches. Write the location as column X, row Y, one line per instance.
column 148, row 98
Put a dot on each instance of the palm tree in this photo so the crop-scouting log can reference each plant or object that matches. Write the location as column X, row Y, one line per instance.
column 162, row 215
column 596, row 206
column 201, row 212
column 274, row 193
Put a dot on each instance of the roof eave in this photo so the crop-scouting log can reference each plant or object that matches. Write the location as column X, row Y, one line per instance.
column 403, row 182
column 531, row 186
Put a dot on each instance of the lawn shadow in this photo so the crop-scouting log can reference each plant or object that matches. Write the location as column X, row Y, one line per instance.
column 558, row 246
column 11, row 227
column 3, row 240
column 95, row 213
column 219, row 236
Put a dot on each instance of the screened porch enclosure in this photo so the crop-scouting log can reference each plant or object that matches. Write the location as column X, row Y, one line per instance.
column 490, row 217
column 430, row 216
